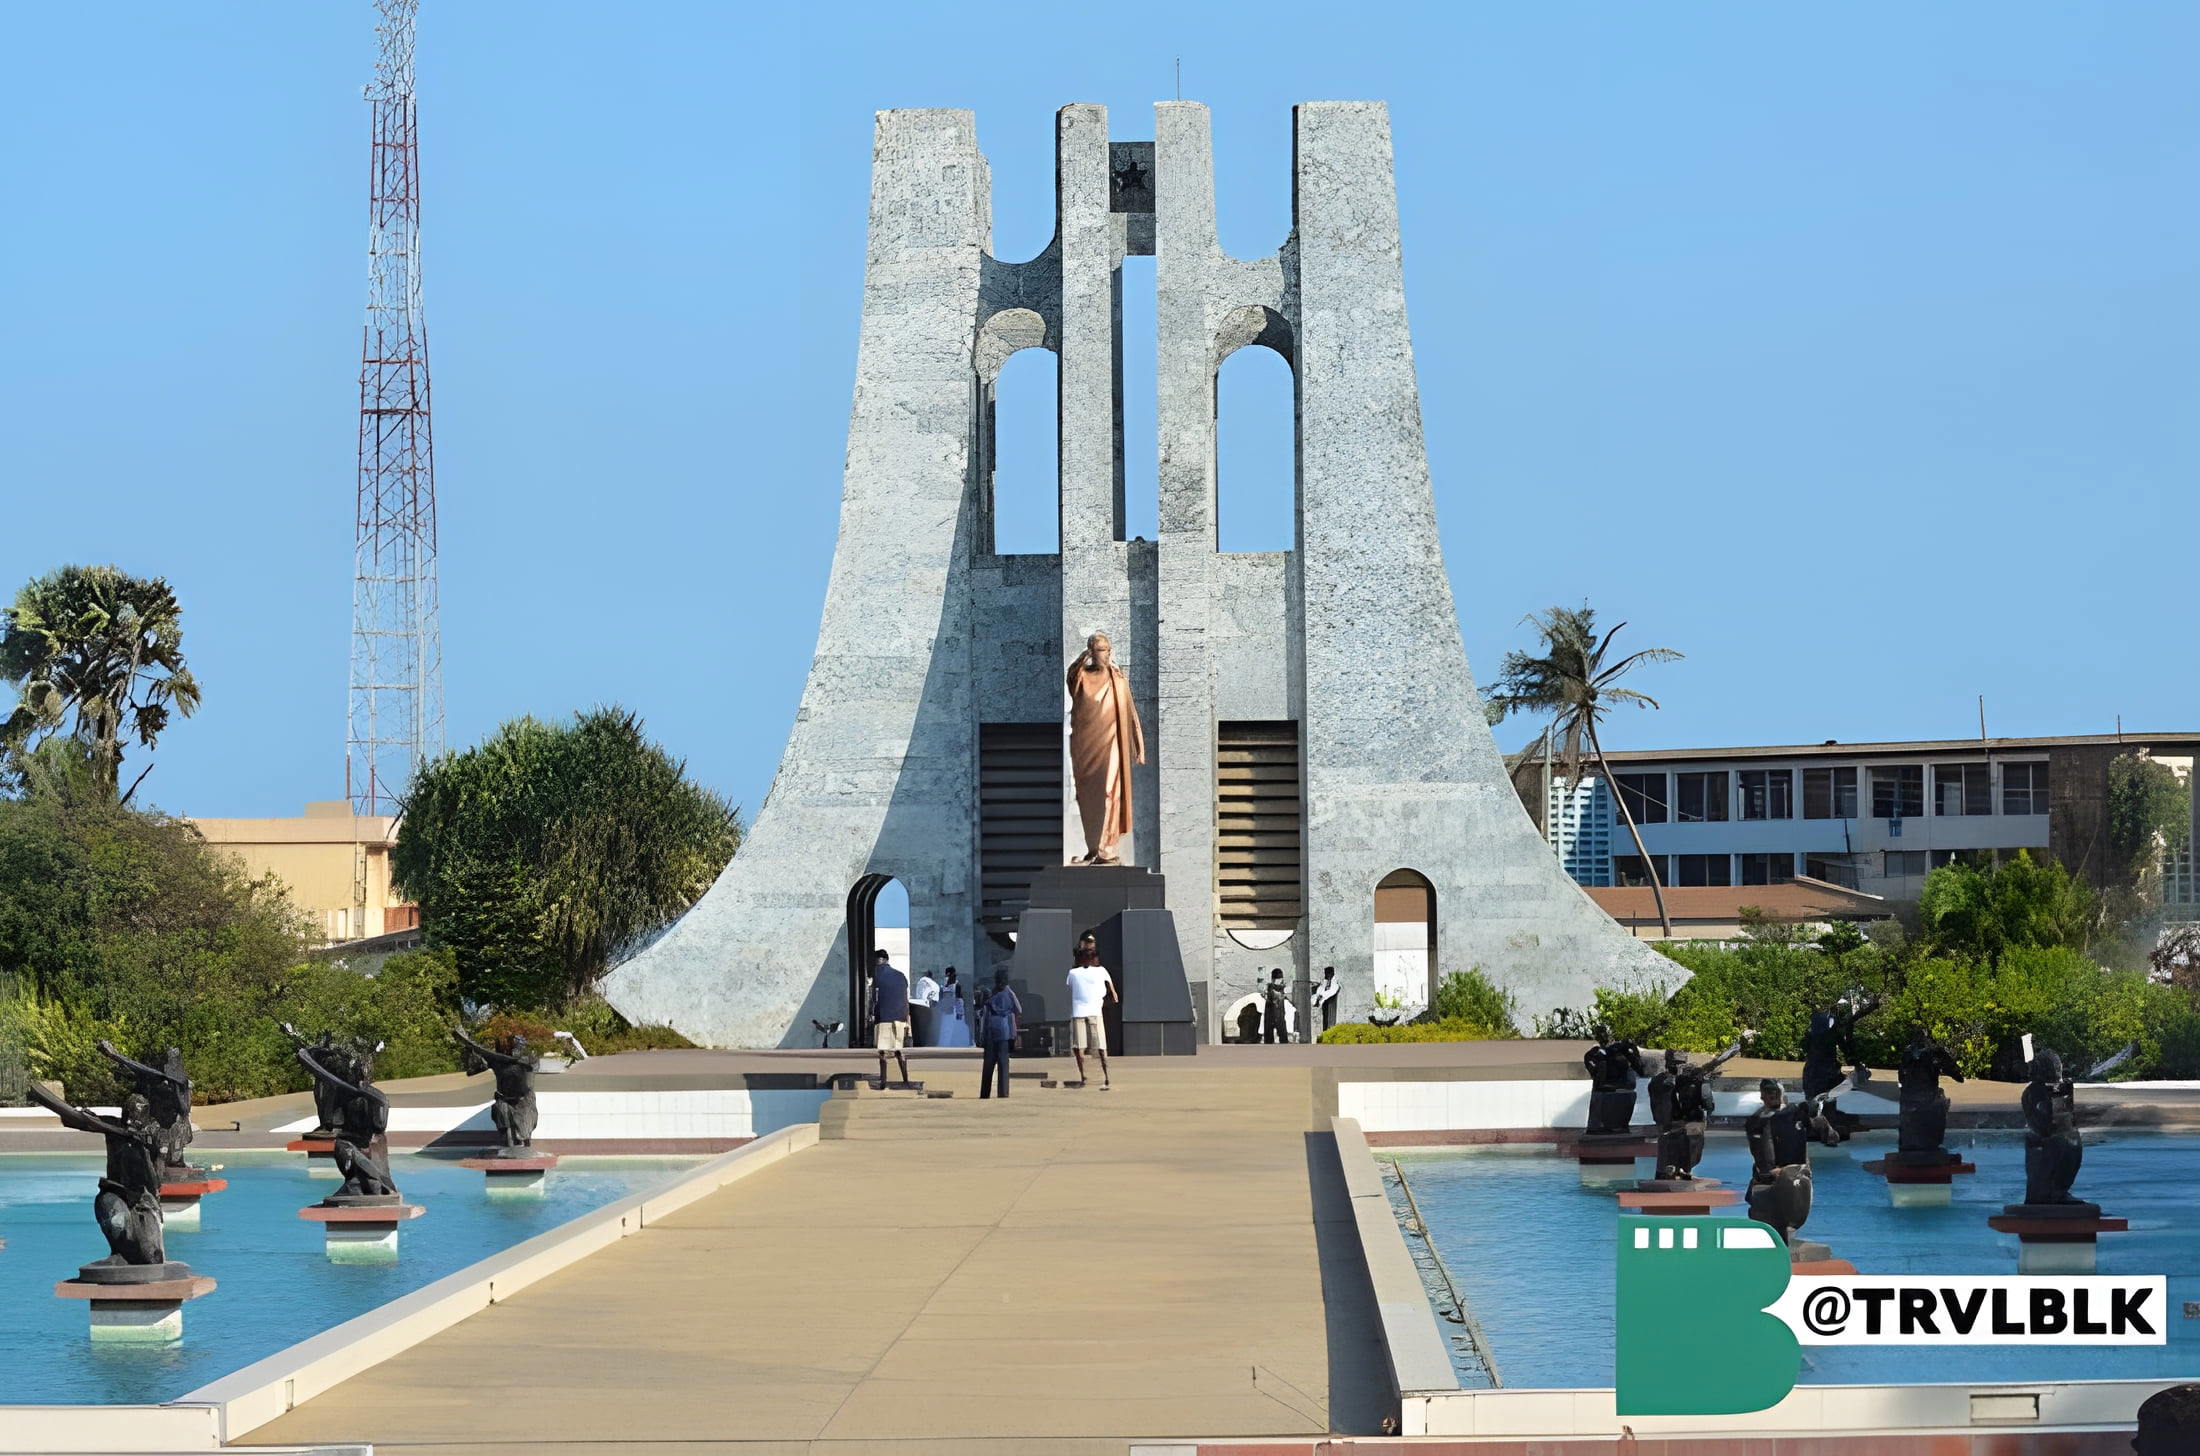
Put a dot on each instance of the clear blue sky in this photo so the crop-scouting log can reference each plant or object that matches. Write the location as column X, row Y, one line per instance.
column 1850, row 350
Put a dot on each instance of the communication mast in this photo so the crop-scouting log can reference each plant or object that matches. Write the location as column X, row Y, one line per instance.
column 396, row 717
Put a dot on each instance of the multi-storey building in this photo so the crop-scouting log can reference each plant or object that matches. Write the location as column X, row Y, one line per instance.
column 335, row 864
column 1875, row 817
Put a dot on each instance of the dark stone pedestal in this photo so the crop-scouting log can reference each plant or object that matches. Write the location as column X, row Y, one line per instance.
column 1125, row 908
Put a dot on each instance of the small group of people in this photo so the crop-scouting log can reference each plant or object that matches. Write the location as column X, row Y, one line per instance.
column 996, row 1018
column 1273, row 1018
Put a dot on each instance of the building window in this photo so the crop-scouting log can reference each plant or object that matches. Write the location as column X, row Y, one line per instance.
column 1767, row 869
column 1767, row 793
column 1903, row 863
column 1701, row 798
column 1628, row 871
column 1644, row 795
column 2024, row 788
column 1977, row 859
column 1963, row 788
column 1829, row 793
column 1898, row 792
column 1703, row 869
column 1840, row 871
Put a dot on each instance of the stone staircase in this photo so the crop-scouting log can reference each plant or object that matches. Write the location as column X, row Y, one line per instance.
column 945, row 1104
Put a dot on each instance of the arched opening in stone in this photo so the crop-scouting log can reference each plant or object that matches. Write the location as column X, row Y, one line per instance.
column 1256, row 452
column 1023, row 423
column 1405, row 941
column 1241, row 1023
column 878, row 919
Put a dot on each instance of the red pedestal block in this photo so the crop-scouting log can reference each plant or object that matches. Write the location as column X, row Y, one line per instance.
column 1695, row 1201
column 2048, row 1243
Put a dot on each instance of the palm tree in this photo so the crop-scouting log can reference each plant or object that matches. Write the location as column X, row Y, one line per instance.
column 102, row 644
column 1572, row 682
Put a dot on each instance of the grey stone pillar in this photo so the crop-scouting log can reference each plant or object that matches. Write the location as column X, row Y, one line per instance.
column 877, row 775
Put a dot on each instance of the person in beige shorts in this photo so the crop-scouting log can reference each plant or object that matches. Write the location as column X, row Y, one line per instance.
column 1090, row 990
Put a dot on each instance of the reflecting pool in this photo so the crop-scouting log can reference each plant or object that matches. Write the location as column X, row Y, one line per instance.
column 276, row 1285
column 1531, row 1252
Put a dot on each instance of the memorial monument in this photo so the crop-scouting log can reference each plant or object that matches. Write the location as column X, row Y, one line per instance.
column 1920, row 1173
column 1780, row 1134
column 1829, row 1038
column 1609, row 1144
column 361, row 1218
column 136, row 1293
column 2056, row 1230
column 167, row 1093
column 1289, row 728
column 515, row 1165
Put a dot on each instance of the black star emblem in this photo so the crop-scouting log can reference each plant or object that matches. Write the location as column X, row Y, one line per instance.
column 1130, row 177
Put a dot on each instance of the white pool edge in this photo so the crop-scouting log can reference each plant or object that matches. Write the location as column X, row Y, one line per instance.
column 203, row 1419
column 1431, row 1401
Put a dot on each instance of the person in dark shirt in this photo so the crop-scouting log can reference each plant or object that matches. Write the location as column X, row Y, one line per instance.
column 889, row 1014
column 999, row 1017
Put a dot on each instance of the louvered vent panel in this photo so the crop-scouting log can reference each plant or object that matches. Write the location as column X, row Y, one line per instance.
column 1019, row 815
column 1259, row 875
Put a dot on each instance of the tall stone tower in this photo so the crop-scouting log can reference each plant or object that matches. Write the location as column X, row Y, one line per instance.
column 1320, row 787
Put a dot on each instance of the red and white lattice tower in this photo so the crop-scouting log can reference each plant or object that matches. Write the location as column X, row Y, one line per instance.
column 396, row 719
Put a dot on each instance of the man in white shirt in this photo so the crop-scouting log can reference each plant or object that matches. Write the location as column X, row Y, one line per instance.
column 1090, row 989
column 923, row 997
column 1325, row 1000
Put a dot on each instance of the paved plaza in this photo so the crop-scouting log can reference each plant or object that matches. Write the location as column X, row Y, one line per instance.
column 1053, row 1274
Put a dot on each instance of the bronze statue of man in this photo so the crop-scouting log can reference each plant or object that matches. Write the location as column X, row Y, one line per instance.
column 128, row 1205
column 1105, row 740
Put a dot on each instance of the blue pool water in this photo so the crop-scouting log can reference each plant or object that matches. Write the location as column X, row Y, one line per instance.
column 276, row 1287
column 1532, row 1253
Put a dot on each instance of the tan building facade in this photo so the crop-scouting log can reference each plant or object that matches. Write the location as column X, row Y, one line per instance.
column 335, row 863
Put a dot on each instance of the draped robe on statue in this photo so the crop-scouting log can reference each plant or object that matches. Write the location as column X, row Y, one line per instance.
column 1105, row 739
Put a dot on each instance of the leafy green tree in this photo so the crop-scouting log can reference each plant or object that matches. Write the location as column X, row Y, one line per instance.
column 2149, row 808
column 125, row 924
column 539, row 855
column 1985, row 913
column 1573, row 681
column 101, row 645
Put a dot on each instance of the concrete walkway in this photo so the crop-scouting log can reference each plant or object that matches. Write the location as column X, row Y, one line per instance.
column 1055, row 1274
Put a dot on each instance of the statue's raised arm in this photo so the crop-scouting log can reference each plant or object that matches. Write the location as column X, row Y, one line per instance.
column 137, row 1068
column 488, row 1054
column 323, row 1074
column 81, row 1119
column 1729, row 1054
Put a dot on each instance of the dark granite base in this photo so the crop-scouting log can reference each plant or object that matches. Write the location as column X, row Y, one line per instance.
column 2073, row 1209
column 133, row 1273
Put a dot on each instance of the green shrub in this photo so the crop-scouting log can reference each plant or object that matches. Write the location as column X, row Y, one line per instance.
column 1470, row 996
column 1361, row 1033
column 1637, row 1013
column 650, row 1038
